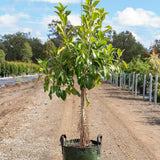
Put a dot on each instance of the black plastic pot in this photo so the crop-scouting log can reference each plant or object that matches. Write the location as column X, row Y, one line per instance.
column 72, row 152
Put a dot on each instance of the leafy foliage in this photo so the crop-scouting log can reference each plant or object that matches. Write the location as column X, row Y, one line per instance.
column 139, row 65
column 55, row 36
column 26, row 52
column 127, row 42
column 87, row 58
column 12, row 45
column 2, row 55
column 37, row 49
column 154, row 60
column 16, row 68
column 48, row 49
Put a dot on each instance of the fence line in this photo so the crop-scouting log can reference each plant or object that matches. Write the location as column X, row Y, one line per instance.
column 137, row 84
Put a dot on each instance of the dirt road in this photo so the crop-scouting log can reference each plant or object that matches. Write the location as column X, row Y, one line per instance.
column 31, row 124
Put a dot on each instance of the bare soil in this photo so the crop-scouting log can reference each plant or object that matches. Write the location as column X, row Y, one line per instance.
column 31, row 124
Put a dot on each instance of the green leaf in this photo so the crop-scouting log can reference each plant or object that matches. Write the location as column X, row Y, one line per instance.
column 89, row 81
column 68, row 33
column 93, row 39
column 58, row 8
column 68, row 12
column 40, row 76
column 105, row 71
column 78, row 59
column 74, row 91
column 99, row 83
column 58, row 92
column 60, row 50
column 86, row 7
column 92, row 70
column 95, row 15
column 60, row 29
column 46, row 83
column 125, row 64
column 63, row 95
column 95, row 3
column 87, row 100
column 94, row 54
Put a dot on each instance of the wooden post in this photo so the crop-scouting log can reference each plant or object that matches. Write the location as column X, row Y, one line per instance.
column 133, row 82
column 120, row 80
column 136, row 84
column 129, row 83
column 144, row 86
column 124, row 81
column 150, row 87
column 117, row 80
column 155, row 92
column 111, row 79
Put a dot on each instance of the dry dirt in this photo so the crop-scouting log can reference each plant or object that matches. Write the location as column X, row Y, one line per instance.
column 31, row 124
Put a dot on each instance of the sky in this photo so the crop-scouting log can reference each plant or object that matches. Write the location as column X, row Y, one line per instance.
column 141, row 17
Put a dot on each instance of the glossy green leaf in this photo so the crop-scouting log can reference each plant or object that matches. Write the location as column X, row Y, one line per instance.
column 68, row 12
column 87, row 100
column 86, row 7
column 60, row 50
column 60, row 29
column 89, row 81
column 95, row 3
column 63, row 95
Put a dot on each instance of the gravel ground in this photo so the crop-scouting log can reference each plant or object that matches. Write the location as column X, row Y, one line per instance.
column 31, row 124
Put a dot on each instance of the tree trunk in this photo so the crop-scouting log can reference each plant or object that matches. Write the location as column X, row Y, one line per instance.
column 84, row 134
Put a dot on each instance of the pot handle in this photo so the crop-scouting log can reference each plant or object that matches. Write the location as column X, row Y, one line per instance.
column 99, row 141
column 62, row 140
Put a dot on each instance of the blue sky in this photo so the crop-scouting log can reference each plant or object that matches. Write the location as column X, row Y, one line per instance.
column 141, row 17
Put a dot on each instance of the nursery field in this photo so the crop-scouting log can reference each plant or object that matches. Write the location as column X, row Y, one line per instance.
column 31, row 124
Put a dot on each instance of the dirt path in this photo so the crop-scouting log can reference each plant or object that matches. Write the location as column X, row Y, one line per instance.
column 31, row 124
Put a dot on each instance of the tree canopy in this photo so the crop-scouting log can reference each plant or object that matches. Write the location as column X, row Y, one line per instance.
column 48, row 49
column 127, row 42
column 12, row 45
column 26, row 52
column 2, row 55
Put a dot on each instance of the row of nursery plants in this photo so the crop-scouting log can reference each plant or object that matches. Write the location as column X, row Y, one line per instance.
column 141, row 76
column 16, row 68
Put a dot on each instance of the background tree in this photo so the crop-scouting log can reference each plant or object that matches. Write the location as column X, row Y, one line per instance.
column 48, row 49
column 157, row 45
column 2, row 45
column 26, row 52
column 127, row 42
column 13, row 44
column 37, row 49
column 2, row 55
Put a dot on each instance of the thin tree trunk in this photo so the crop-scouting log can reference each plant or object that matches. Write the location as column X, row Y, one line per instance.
column 84, row 134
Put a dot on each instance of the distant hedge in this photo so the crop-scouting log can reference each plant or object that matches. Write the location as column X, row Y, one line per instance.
column 16, row 68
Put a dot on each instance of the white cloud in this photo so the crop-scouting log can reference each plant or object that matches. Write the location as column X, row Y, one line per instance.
column 26, row 29
column 7, row 20
column 11, row 20
column 158, row 36
column 138, row 38
column 55, row 1
column 138, row 17
column 75, row 19
column 38, row 33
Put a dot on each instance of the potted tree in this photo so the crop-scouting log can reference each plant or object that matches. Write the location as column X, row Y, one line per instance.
column 84, row 61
